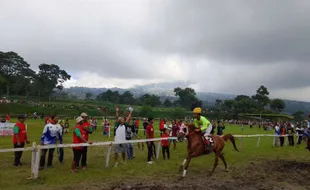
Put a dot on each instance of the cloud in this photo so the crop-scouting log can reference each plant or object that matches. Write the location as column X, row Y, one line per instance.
column 217, row 46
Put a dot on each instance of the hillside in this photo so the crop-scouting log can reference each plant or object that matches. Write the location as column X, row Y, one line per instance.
column 165, row 90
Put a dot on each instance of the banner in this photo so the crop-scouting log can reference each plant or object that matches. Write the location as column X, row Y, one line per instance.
column 7, row 129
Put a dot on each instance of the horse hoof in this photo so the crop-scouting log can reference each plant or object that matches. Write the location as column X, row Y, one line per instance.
column 210, row 174
column 180, row 178
column 226, row 169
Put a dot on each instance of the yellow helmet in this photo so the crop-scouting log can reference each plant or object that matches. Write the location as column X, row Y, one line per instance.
column 197, row 110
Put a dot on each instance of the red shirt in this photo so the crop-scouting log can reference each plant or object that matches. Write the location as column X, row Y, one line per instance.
column 22, row 135
column 86, row 124
column 161, row 125
column 7, row 118
column 164, row 142
column 150, row 131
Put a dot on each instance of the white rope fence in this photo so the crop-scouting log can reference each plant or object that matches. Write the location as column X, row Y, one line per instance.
column 36, row 149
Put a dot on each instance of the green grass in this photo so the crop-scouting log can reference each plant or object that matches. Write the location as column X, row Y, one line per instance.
column 60, row 176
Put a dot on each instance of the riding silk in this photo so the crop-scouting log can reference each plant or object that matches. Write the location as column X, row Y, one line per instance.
column 203, row 123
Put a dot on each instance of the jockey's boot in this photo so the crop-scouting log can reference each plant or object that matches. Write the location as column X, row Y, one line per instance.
column 208, row 145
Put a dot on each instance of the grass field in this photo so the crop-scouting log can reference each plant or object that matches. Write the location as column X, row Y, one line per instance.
column 137, row 171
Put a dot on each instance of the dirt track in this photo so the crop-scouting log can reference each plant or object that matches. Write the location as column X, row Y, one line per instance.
column 277, row 174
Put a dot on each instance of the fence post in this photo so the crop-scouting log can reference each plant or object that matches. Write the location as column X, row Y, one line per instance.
column 108, row 155
column 258, row 141
column 286, row 141
column 158, row 150
column 33, row 158
column 37, row 163
column 109, row 131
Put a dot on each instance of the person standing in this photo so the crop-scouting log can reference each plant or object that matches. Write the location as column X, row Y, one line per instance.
column 299, row 131
column 150, row 144
column 51, row 133
column 78, row 138
column 130, row 134
column 165, row 145
column 290, row 132
column 174, row 133
column 220, row 128
column 19, row 139
column 282, row 133
column 87, row 130
column 120, row 129
column 8, row 118
column 145, row 123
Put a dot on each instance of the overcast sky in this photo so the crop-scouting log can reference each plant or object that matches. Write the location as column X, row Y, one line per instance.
column 216, row 46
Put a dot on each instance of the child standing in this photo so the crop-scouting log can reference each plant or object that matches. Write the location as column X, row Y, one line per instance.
column 165, row 145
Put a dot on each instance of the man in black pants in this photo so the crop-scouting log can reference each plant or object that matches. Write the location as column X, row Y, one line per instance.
column 19, row 139
column 150, row 145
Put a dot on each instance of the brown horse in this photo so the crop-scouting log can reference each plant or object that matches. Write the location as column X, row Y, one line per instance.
column 196, row 147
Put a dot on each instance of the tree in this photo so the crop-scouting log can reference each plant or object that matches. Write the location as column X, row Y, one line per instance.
column 261, row 97
column 298, row 116
column 277, row 105
column 14, row 70
column 150, row 100
column 167, row 103
column 109, row 96
column 88, row 95
column 49, row 78
column 187, row 98
column 127, row 98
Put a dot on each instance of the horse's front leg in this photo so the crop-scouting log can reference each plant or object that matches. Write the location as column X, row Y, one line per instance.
column 182, row 166
column 188, row 159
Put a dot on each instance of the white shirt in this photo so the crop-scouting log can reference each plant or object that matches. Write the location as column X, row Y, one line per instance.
column 120, row 133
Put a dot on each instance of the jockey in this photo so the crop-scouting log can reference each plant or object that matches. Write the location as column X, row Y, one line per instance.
column 204, row 125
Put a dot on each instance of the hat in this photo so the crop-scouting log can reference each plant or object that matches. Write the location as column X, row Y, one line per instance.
column 197, row 110
column 79, row 119
column 84, row 114
column 21, row 117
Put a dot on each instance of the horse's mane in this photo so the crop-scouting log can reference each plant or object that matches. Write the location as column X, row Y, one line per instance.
column 191, row 126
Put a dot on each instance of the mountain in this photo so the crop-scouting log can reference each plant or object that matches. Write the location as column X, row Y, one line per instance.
column 165, row 90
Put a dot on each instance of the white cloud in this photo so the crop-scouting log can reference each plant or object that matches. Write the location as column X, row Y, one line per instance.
column 230, row 47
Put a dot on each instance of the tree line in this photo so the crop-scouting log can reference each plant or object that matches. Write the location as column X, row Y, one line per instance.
column 186, row 99
column 259, row 103
column 17, row 78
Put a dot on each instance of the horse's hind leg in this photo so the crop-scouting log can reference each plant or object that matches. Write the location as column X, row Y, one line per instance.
column 224, row 161
column 216, row 160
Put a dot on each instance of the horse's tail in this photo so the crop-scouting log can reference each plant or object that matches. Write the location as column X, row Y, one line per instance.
column 232, row 140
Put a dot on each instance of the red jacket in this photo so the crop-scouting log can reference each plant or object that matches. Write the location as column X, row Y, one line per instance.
column 150, row 131
column 22, row 134
column 164, row 142
column 85, row 133
column 76, row 139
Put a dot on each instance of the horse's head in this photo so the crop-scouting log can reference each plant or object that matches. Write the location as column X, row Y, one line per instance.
column 187, row 129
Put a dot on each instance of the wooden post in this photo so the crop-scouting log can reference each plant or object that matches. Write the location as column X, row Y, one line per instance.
column 286, row 141
column 158, row 150
column 108, row 156
column 37, row 163
column 258, row 141
column 33, row 159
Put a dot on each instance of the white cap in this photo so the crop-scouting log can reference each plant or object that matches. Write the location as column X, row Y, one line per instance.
column 84, row 114
column 79, row 119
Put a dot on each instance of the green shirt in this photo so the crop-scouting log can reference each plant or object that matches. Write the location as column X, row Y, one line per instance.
column 203, row 123
column 77, row 132
column 16, row 129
